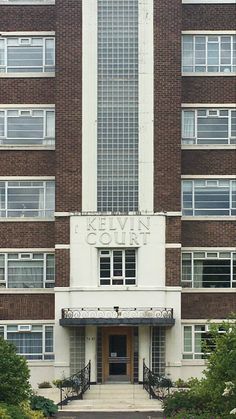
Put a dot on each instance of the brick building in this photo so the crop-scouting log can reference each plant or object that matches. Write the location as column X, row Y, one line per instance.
column 117, row 183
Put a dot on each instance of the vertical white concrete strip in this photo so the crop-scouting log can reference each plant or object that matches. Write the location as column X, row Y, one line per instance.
column 89, row 106
column 91, row 350
column 146, row 104
column 144, row 349
column 62, row 337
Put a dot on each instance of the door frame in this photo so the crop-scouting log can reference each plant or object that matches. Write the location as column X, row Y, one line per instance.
column 116, row 330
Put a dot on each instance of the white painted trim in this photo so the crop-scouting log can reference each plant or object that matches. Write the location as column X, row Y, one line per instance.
column 29, row 148
column 173, row 214
column 173, row 245
column 62, row 246
column 39, row 178
column 208, row 290
column 47, row 3
column 28, row 33
column 27, row 291
column 89, row 101
column 210, row 218
column 209, row 249
column 26, row 75
column 62, row 214
column 25, row 105
column 208, row 176
column 200, row 321
column 27, row 250
column 27, row 321
column 25, row 220
column 194, row 74
column 146, row 105
column 209, row 1
column 208, row 105
column 208, row 147
column 205, row 32
column 117, row 288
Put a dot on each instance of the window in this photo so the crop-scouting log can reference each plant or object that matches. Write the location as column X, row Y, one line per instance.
column 209, row 53
column 118, row 100
column 27, row 270
column 117, row 267
column 27, row 199
column 209, row 269
column 196, row 339
column 27, row 127
column 209, row 126
column 27, row 55
column 210, row 197
column 35, row 342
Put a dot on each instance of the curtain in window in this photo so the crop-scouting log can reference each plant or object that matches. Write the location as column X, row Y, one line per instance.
column 25, row 274
column 189, row 125
column 198, row 274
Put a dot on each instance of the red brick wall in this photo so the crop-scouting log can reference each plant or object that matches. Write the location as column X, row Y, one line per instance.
column 167, row 101
column 62, row 230
column 208, row 305
column 27, row 90
column 173, row 267
column 69, row 104
column 208, row 162
column 27, row 235
column 173, row 229
column 27, row 18
column 62, row 257
column 26, row 306
column 27, row 163
column 209, row 17
column 209, row 233
column 208, row 89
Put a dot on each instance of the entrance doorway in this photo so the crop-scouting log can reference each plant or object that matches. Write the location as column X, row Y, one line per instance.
column 117, row 355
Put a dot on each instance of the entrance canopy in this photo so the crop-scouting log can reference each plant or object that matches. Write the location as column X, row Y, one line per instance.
column 117, row 316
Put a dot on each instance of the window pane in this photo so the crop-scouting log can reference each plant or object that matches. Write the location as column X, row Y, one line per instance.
column 50, row 268
column 49, row 52
column 2, row 267
column 117, row 263
column 213, row 273
column 48, row 338
column 189, row 124
column 50, row 124
column 25, row 57
column 28, row 344
column 2, row 50
column 130, row 264
column 105, row 267
column 25, row 128
column 25, row 274
column 187, row 339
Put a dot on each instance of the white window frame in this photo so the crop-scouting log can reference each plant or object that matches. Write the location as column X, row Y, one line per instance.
column 207, row 183
column 208, row 255
column 232, row 65
column 49, row 70
column 43, row 327
column 47, row 141
column 112, row 277
column 27, row 3
column 192, row 355
column 4, row 283
column 194, row 140
column 44, row 210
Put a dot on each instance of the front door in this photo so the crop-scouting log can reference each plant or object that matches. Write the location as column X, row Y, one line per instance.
column 117, row 354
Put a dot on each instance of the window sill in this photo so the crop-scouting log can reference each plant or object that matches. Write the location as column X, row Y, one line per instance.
column 33, row 3
column 193, row 362
column 208, row 290
column 40, row 363
column 26, row 75
column 209, row 147
column 26, row 290
column 25, row 220
column 208, row 74
column 208, row 218
column 208, row 2
column 34, row 148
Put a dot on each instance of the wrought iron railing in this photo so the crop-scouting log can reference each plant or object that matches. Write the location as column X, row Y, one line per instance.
column 117, row 312
column 73, row 387
column 156, row 385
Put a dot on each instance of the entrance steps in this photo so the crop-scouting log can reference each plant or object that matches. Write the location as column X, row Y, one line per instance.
column 114, row 398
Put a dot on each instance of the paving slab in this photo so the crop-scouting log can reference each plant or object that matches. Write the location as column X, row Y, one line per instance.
column 110, row 415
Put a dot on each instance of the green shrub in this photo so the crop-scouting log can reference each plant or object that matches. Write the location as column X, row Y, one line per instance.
column 57, row 383
column 45, row 384
column 45, row 405
column 14, row 412
column 14, row 375
column 31, row 414
column 183, row 400
column 3, row 413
